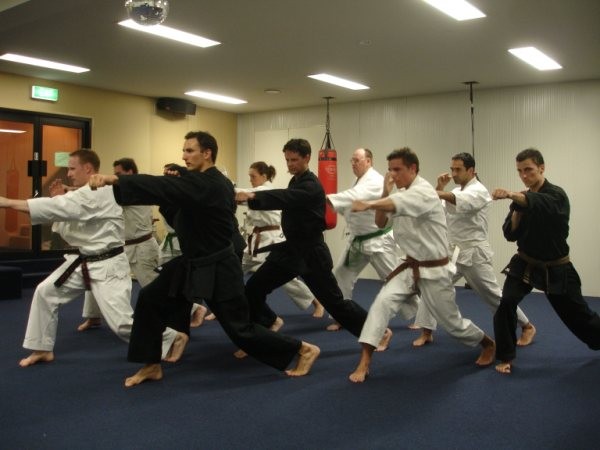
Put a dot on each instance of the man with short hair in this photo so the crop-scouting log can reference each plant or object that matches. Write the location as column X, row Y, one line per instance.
column 420, row 225
column 366, row 243
column 199, row 204
column 467, row 207
column 92, row 222
column 538, row 220
column 141, row 249
column 304, row 252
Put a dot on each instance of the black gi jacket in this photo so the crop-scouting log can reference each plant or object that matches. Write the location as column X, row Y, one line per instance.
column 542, row 234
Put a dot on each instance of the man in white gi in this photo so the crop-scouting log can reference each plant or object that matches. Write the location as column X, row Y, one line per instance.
column 467, row 207
column 92, row 222
column 366, row 242
column 420, row 225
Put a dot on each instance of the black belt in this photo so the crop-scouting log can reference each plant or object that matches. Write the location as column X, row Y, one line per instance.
column 138, row 240
column 83, row 260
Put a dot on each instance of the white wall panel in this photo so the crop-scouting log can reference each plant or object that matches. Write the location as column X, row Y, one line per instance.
column 561, row 120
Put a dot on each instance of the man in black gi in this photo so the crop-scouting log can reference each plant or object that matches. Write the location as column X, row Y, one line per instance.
column 304, row 252
column 199, row 204
column 539, row 221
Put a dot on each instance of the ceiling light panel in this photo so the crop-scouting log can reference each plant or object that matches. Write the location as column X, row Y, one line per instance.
column 331, row 79
column 216, row 97
column 42, row 63
column 536, row 58
column 457, row 9
column 170, row 33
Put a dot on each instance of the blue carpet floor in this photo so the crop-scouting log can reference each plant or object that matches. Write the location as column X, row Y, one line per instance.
column 429, row 398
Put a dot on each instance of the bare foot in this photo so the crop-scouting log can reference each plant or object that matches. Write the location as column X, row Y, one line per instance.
column 177, row 347
column 319, row 310
column 93, row 322
column 148, row 372
column 35, row 357
column 426, row 337
column 334, row 327
column 360, row 374
column 276, row 326
column 308, row 355
column 527, row 334
column 412, row 326
column 198, row 316
column 488, row 352
column 504, row 367
column 385, row 341
column 240, row 354
column 210, row 316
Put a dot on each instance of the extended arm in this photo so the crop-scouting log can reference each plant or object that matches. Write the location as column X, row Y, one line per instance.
column 16, row 204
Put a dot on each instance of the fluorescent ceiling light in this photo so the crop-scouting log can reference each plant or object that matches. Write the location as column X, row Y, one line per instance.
column 338, row 81
column 216, row 97
column 42, row 63
column 534, row 57
column 6, row 130
column 457, row 9
column 170, row 33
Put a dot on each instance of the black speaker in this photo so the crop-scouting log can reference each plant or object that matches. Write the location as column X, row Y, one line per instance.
column 176, row 105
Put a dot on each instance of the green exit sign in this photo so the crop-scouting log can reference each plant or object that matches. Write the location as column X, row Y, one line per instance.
column 44, row 93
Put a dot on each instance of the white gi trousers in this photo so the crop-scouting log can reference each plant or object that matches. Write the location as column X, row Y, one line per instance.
column 111, row 288
column 395, row 298
column 143, row 260
column 479, row 274
column 111, row 285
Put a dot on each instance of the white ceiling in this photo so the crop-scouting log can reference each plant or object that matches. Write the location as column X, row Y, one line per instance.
column 275, row 44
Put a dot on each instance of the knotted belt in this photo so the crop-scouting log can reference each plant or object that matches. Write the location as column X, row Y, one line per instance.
column 256, row 231
column 537, row 264
column 356, row 245
column 138, row 240
column 83, row 260
column 414, row 265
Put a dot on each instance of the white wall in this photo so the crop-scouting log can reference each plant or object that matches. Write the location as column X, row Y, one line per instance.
column 561, row 120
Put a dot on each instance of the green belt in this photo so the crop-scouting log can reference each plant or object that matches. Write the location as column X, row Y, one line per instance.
column 168, row 243
column 356, row 245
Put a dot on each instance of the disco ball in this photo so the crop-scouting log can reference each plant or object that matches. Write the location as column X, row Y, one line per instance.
column 147, row 12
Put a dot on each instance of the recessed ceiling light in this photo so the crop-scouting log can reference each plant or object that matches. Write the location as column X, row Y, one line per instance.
column 170, row 33
column 536, row 58
column 7, row 130
column 457, row 9
column 216, row 97
column 338, row 81
column 42, row 63
column 272, row 91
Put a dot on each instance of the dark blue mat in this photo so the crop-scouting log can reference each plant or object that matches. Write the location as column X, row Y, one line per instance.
column 429, row 398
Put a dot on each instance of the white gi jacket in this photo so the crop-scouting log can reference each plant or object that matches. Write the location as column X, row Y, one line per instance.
column 420, row 226
column 468, row 222
column 368, row 187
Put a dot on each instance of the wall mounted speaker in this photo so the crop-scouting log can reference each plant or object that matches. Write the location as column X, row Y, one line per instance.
column 176, row 105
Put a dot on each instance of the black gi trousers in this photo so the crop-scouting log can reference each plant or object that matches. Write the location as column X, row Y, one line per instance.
column 316, row 273
column 155, row 310
column 570, row 306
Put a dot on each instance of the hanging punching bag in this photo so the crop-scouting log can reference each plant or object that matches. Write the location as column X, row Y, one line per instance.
column 328, row 178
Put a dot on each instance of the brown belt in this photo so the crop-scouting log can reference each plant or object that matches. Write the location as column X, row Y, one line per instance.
column 256, row 231
column 83, row 260
column 138, row 240
column 414, row 265
column 536, row 263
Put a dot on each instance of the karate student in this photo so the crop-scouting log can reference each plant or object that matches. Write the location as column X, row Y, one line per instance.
column 420, row 225
column 538, row 220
